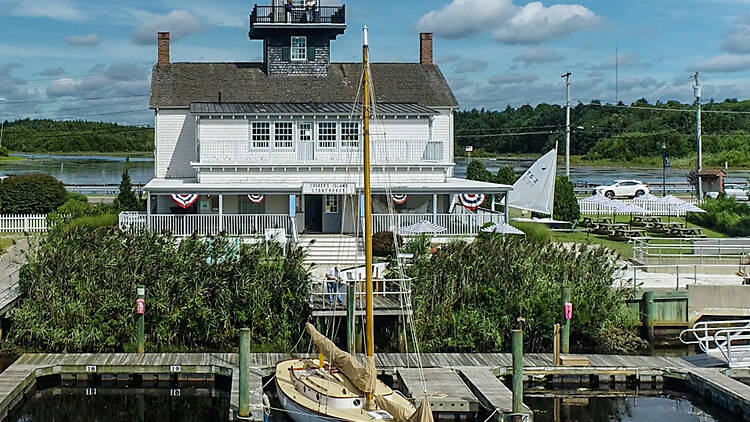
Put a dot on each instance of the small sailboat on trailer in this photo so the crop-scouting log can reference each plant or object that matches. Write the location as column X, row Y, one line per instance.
column 337, row 387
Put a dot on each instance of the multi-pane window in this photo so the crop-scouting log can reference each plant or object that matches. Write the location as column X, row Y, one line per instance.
column 327, row 135
column 305, row 132
column 260, row 134
column 299, row 48
column 350, row 134
column 283, row 135
column 332, row 204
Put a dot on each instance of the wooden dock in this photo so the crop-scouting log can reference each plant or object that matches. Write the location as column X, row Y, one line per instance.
column 383, row 305
column 719, row 389
column 492, row 393
column 446, row 391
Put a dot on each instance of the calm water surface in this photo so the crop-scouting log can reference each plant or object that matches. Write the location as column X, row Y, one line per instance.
column 99, row 170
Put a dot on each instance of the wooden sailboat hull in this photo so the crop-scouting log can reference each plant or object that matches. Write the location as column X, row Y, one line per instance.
column 297, row 413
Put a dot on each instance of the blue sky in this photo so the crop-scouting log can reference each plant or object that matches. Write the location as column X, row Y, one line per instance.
column 57, row 55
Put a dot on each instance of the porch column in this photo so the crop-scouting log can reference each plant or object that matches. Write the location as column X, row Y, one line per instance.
column 506, row 210
column 293, row 215
column 148, row 210
column 434, row 208
column 492, row 206
column 221, row 212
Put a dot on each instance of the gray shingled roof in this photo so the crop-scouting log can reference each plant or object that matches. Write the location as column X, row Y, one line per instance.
column 180, row 84
column 307, row 108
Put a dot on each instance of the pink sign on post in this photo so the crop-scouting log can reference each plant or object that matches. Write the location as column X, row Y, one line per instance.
column 568, row 308
column 140, row 306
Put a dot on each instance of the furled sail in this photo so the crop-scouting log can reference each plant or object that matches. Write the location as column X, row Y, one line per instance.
column 363, row 377
column 404, row 414
column 535, row 190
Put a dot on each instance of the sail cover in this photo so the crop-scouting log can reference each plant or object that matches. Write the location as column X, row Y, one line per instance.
column 363, row 377
column 402, row 414
column 535, row 190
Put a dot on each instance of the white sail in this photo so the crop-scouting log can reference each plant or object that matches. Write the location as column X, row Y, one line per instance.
column 535, row 190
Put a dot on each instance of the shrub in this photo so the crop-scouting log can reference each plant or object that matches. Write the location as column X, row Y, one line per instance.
column 31, row 194
column 724, row 215
column 467, row 297
column 74, row 209
column 506, row 176
column 535, row 232
column 382, row 243
column 477, row 171
column 75, row 196
column 419, row 245
column 127, row 200
column 566, row 203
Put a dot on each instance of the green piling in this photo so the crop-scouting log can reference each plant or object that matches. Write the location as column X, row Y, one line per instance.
column 351, row 334
column 517, row 344
column 244, row 410
column 140, row 301
column 648, row 316
column 565, row 325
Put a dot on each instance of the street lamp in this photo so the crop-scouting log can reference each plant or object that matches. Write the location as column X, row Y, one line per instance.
column 664, row 165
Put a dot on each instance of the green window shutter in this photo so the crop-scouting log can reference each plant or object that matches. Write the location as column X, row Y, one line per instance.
column 311, row 54
column 286, row 54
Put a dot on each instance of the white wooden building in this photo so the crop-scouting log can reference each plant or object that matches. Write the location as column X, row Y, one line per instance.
column 277, row 144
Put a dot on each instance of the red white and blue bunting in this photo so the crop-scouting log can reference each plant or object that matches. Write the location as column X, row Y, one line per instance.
column 399, row 198
column 185, row 200
column 256, row 199
column 472, row 201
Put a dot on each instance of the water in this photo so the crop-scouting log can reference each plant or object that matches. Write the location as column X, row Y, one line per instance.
column 114, row 405
column 667, row 408
column 100, row 170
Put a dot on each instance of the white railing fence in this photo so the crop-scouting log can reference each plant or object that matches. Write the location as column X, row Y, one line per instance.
column 187, row 225
column 652, row 208
column 455, row 224
column 13, row 223
column 730, row 338
column 708, row 250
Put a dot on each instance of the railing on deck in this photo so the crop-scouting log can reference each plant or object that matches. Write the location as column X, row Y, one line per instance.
column 731, row 338
column 705, row 251
column 189, row 224
column 383, row 152
column 277, row 14
column 388, row 293
column 23, row 222
column 455, row 224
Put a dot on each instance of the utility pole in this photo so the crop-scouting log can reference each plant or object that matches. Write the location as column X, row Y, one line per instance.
column 697, row 93
column 567, row 124
column 617, row 74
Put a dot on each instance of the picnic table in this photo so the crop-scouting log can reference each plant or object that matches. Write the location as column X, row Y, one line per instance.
column 665, row 227
column 590, row 222
column 686, row 232
column 609, row 229
column 626, row 234
column 647, row 222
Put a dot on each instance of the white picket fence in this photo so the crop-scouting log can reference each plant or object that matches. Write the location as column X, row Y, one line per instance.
column 11, row 223
column 652, row 208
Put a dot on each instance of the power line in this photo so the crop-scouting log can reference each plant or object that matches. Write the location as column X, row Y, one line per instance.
column 74, row 99
column 68, row 134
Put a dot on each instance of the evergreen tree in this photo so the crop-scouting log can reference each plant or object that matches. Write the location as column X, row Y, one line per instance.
column 566, row 203
column 126, row 199
column 506, row 176
column 477, row 171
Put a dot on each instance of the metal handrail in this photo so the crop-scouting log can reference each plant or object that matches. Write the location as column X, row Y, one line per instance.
column 277, row 14
column 718, row 333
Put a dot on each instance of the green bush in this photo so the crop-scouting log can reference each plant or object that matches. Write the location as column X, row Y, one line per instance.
column 467, row 297
column 74, row 209
column 724, row 215
column 535, row 232
column 477, row 171
column 126, row 200
column 506, row 175
column 79, row 293
column 566, row 203
column 419, row 245
column 75, row 196
column 31, row 194
column 382, row 243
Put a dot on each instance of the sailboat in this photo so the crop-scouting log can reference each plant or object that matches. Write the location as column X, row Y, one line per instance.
column 337, row 387
column 535, row 190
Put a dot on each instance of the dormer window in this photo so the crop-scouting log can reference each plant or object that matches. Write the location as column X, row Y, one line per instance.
column 299, row 49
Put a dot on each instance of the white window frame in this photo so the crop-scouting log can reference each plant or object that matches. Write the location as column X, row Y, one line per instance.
column 331, row 204
column 348, row 129
column 302, row 136
column 298, row 53
column 287, row 144
column 256, row 136
column 324, row 138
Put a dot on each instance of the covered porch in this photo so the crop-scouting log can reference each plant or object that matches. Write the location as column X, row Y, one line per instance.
column 184, row 208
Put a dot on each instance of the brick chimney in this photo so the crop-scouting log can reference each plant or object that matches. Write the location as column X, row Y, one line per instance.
column 163, row 56
column 425, row 48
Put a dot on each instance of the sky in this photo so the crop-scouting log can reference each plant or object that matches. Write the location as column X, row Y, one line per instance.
column 85, row 59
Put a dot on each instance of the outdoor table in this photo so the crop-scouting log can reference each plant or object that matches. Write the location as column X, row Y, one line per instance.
column 626, row 234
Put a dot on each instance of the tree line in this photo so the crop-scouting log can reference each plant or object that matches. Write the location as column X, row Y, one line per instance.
column 75, row 136
column 616, row 132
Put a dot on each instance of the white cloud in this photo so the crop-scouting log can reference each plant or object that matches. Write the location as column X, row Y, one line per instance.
column 723, row 63
column 513, row 79
column 623, row 61
column 538, row 55
column 63, row 10
column 179, row 22
column 738, row 39
column 530, row 24
column 115, row 81
column 53, row 71
column 470, row 66
column 90, row 40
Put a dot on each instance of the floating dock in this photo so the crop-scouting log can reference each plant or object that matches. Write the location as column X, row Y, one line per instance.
column 459, row 383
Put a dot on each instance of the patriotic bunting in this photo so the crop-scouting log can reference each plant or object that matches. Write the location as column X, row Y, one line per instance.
column 185, row 200
column 472, row 201
column 256, row 199
column 399, row 198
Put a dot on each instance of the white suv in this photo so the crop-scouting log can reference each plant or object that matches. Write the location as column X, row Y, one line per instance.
column 623, row 189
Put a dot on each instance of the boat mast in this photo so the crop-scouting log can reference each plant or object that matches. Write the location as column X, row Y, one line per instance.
column 370, row 329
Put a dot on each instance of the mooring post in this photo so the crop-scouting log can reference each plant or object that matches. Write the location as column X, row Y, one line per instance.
column 648, row 316
column 244, row 410
column 556, row 345
column 567, row 315
column 140, row 310
column 517, row 345
column 351, row 344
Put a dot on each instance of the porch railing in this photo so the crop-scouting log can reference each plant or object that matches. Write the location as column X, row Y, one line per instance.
column 277, row 14
column 189, row 224
column 383, row 152
column 455, row 224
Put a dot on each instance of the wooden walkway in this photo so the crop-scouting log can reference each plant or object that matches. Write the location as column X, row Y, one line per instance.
column 493, row 394
column 20, row 377
column 383, row 305
column 446, row 391
column 722, row 390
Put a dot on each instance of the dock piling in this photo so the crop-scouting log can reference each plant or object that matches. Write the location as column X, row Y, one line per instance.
column 244, row 408
column 517, row 345
column 566, row 303
column 648, row 316
column 556, row 345
column 140, row 310
column 351, row 345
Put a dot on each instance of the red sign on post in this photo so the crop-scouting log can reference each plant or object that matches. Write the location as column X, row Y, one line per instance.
column 140, row 306
column 568, row 310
